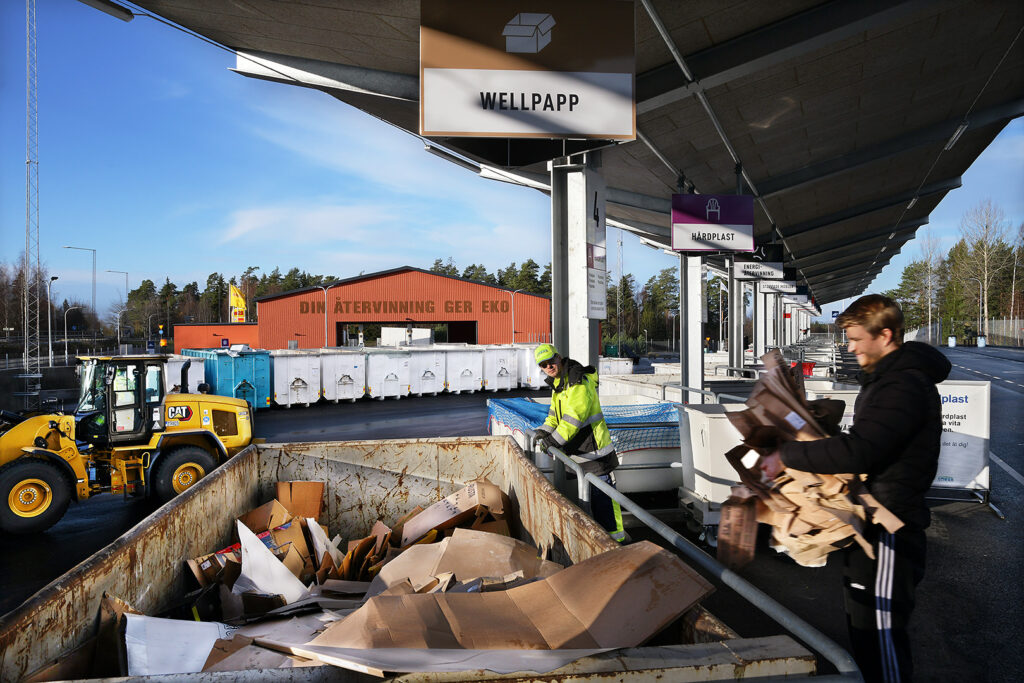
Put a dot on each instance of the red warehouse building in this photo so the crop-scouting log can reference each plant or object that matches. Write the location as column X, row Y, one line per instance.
column 472, row 312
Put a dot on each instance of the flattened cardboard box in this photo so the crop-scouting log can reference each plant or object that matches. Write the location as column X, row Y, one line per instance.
column 642, row 588
column 301, row 498
column 476, row 499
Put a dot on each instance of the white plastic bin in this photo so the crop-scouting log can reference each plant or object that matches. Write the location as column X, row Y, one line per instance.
column 464, row 367
column 500, row 368
column 707, row 475
column 295, row 377
column 196, row 373
column 343, row 374
column 426, row 370
column 530, row 374
column 387, row 373
column 616, row 366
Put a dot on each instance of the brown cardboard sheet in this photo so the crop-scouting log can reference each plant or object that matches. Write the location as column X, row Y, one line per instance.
column 301, row 498
column 617, row 599
column 467, row 554
column 477, row 499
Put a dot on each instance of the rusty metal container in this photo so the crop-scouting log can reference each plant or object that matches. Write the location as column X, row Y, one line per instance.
column 366, row 481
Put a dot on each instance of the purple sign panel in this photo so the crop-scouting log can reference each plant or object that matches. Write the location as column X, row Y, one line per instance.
column 712, row 222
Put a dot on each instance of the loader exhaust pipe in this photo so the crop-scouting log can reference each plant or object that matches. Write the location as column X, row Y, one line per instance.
column 184, row 375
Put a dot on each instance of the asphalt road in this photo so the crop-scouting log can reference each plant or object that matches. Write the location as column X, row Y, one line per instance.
column 969, row 622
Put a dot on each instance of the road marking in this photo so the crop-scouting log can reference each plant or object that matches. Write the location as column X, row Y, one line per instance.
column 1012, row 472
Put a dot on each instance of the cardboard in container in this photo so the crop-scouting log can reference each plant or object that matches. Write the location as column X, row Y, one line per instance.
column 265, row 517
column 642, row 589
column 301, row 498
column 475, row 500
column 468, row 555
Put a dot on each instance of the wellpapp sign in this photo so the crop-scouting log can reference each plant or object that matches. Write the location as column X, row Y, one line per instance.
column 564, row 68
column 712, row 222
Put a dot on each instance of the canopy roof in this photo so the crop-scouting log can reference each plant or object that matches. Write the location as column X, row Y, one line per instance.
column 840, row 113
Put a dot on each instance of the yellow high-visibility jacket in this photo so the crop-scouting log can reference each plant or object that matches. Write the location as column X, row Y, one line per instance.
column 575, row 420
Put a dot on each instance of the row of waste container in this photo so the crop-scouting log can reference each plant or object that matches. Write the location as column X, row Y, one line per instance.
column 290, row 377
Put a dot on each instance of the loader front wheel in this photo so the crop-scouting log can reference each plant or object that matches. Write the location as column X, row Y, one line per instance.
column 34, row 495
column 180, row 470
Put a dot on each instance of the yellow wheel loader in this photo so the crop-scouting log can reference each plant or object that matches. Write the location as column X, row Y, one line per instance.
column 129, row 435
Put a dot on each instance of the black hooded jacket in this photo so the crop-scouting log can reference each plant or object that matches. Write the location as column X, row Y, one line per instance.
column 896, row 433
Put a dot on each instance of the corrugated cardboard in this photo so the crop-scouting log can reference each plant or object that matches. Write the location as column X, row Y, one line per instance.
column 467, row 554
column 617, row 599
column 476, row 499
column 265, row 517
column 737, row 530
column 301, row 498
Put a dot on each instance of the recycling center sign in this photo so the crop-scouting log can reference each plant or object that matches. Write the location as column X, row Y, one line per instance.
column 561, row 69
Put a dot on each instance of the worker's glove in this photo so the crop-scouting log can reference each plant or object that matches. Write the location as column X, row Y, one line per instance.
column 545, row 442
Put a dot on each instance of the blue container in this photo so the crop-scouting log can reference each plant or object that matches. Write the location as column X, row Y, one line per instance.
column 241, row 374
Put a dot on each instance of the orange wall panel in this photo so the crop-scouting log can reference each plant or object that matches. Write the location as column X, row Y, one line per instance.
column 210, row 336
column 399, row 298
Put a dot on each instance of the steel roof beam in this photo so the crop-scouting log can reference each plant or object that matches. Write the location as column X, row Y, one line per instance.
column 871, row 207
column 857, row 239
column 938, row 132
column 761, row 49
column 642, row 230
column 822, row 277
column 313, row 73
column 856, row 260
column 831, row 285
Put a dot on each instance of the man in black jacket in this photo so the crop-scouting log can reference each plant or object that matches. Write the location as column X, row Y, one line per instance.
column 894, row 440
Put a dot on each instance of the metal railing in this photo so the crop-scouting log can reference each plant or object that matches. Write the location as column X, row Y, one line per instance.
column 814, row 638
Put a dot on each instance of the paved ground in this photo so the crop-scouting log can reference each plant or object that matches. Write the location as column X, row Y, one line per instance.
column 970, row 619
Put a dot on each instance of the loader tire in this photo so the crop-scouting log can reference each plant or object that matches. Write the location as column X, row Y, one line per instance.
column 34, row 494
column 180, row 470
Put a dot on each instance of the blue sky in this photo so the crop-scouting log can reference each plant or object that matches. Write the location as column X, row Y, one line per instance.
column 168, row 164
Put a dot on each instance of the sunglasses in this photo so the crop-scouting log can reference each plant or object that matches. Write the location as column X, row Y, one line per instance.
column 545, row 364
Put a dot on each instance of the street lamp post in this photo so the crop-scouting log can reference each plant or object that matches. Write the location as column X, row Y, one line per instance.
column 118, row 322
column 125, row 283
column 66, row 332
column 149, row 326
column 514, row 314
column 49, row 317
column 979, row 334
column 93, row 273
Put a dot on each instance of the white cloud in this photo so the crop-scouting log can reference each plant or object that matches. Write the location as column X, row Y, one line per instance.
column 305, row 224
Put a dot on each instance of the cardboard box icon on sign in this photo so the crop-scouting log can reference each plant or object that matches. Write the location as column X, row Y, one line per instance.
column 528, row 32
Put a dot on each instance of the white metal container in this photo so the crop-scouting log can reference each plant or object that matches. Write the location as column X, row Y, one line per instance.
column 426, row 370
column 616, row 366
column 343, row 374
column 295, row 377
column 196, row 373
column 530, row 374
column 404, row 336
column 464, row 367
column 387, row 373
column 500, row 368
column 707, row 475
column 651, row 386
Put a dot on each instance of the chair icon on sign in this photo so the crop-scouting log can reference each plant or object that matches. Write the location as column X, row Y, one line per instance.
column 712, row 207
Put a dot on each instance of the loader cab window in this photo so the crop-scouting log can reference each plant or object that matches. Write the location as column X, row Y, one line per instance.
column 92, row 389
column 126, row 411
column 154, row 384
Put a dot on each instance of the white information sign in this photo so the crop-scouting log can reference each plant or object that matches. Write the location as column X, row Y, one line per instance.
column 777, row 287
column 963, row 451
column 963, row 459
column 559, row 69
column 757, row 270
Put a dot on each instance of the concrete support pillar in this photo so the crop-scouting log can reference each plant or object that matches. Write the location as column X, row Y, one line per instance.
column 736, row 316
column 577, row 203
column 760, row 323
column 691, row 305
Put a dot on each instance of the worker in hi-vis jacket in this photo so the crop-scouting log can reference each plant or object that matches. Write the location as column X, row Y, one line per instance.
column 576, row 426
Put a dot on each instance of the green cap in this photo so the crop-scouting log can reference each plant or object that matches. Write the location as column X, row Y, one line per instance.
column 544, row 352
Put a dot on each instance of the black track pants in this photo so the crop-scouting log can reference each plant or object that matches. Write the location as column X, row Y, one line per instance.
column 879, row 597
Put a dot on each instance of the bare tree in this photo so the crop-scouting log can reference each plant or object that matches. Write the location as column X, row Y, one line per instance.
column 984, row 228
column 931, row 259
